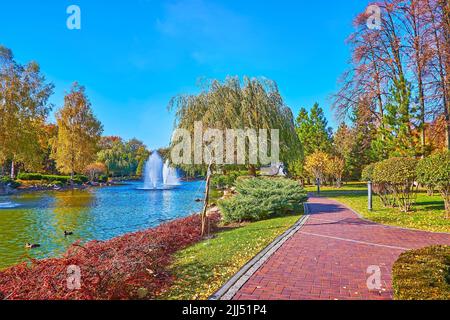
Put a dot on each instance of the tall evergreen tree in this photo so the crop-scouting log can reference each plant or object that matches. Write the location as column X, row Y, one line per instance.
column 313, row 131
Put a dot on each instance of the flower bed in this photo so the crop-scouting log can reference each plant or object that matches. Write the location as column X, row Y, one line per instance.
column 132, row 266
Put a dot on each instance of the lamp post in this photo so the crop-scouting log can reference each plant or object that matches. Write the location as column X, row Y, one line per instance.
column 370, row 204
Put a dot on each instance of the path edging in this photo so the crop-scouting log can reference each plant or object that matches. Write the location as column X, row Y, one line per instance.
column 229, row 290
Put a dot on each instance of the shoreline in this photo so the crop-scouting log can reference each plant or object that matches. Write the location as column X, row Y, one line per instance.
column 103, row 261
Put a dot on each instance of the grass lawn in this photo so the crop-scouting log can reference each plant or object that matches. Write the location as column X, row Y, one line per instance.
column 202, row 269
column 428, row 213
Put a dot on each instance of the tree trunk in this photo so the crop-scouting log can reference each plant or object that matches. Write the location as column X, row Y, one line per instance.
column 205, row 205
column 13, row 174
column 252, row 170
column 447, row 130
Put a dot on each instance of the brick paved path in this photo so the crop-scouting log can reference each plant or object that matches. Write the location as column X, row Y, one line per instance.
column 328, row 258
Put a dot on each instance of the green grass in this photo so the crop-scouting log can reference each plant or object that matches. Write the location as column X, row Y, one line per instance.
column 423, row 274
column 202, row 269
column 427, row 214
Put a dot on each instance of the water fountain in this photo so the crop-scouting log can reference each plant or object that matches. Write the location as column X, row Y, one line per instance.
column 8, row 205
column 159, row 175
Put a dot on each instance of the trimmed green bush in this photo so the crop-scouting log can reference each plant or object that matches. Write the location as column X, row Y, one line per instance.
column 395, row 182
column 262, row 198
column 55, row 178
column 78, row 179
column 434, row 172
column 29, row 176
column 367, row 173
column 423, row 274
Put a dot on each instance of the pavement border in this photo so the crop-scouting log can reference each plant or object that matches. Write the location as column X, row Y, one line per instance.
column 229, row 290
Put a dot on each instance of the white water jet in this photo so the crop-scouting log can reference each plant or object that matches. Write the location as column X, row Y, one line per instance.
column 8, row 205
column 159, row 175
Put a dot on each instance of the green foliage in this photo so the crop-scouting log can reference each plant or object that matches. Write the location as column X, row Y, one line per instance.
column 367, row 173
column 54, row 179
column 395, row 171
column 423, row 274
column 103, row 179
column 434, row 172
column 262, row 198
column 313, row 131
column 222, row 181
column 29, row 176
column 394, row 182
column 234, row 104
column 123, row 158
column 7, row 181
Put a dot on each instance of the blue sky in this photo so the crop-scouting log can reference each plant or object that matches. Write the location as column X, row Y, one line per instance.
column 134, row 55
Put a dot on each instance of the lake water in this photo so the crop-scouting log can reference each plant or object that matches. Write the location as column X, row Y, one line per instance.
column 94, row 214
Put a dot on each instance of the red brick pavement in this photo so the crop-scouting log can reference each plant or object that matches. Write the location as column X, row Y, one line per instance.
column 328, row 258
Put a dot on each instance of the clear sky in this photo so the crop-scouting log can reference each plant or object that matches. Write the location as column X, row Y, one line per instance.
column 134, row 55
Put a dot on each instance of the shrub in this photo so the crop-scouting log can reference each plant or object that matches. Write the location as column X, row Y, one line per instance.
column 78, row 179
column 55, row 178
column 395, row 181
column 29, row 176
column 367, row 173
column 223, row 181
column 133, row 266
column 81, row 178
column 7, row 181
column 262, row 198
column 423, row 274
column 434, row 172
column 103, row 178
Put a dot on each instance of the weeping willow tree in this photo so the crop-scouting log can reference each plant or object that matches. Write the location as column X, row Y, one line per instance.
column 253, row 104
column 240, row 105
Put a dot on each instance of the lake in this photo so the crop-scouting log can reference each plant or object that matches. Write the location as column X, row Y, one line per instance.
column 93, row 214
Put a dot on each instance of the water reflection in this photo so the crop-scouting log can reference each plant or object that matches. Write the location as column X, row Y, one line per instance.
column 99, row 214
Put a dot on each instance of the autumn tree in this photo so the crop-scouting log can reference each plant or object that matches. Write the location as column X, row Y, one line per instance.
column 400, row 73
column 335, row 169
column 78, row 133
column 317, row 164
column 24, row 107
column 94, row 170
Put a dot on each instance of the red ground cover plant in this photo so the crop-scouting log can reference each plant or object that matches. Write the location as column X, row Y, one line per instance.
column 133, row 266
